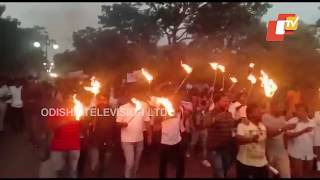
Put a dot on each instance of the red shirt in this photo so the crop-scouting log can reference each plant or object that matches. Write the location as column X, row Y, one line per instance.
column 66, row 137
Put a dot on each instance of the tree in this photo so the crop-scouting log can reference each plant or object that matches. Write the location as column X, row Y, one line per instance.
column 173, row 19
column 2, row 9
column 128, row 19
column 227, row 21
column 17, row 54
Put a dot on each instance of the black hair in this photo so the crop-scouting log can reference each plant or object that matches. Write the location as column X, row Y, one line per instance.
column 301, row 105
column 194, row 92
column 251, row 107
column 240, row 94
column 218, row 96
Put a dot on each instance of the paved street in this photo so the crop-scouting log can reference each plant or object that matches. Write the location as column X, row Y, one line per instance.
column 20, row 159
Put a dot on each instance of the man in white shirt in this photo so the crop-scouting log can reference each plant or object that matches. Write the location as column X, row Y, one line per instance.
column 16, row 107
column 171, row 148
column 132, row 121
column 316, row 120
column 276, row 125
column 4, row 95
column 300, row 143
column 238, row 107
column 251, row 135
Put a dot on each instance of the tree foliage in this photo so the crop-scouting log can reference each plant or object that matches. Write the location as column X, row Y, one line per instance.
column 17, row 54
column 229, row 33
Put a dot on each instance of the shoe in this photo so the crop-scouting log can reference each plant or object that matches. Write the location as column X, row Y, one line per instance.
column 206, row 163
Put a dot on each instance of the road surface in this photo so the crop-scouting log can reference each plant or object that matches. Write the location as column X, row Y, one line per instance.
column 19, row 159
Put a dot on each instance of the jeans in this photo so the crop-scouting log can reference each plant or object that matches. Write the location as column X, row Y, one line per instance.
column 59, row 159
column 172, row 153
column 132, row 154
column 99, row 158
column 201, row 135
column 221, row 160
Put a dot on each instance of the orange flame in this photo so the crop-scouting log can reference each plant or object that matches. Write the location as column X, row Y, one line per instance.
column 78, row 108
column 147, row 75
column 221, row 68
column 269, row 86
column 166, row 103
column 214, row 65
column 252, row 79
column 95, row 86
column 137, row 104
column 187, row 68
column 233, row 79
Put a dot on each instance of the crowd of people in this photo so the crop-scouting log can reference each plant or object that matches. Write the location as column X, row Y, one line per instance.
column 258, row 140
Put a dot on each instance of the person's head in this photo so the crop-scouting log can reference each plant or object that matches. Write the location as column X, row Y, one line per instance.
column 254, row 112
column 277, row 108
column 102, row 99
column 301, row 111
column 222, row 101
column 231, row 95
column 17, row 82
column 242, row 97
column 311, row 111
column 194, row 93
column 30, row 78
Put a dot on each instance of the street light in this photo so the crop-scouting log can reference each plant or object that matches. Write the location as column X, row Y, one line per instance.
column 36, row 44
column 53, row 75
column 55, row 46
column 45, row 44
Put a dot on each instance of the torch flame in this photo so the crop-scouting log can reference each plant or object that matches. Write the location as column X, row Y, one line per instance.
column 252, row 79
column 269, row 86
column 137, row 104
column 78, row 108
column 147, row 75
column 233, row 79
column 165, row 102
column 251, row 65
column 95, row 86
column 214, row 65
column 221, row 68
column 187, row 68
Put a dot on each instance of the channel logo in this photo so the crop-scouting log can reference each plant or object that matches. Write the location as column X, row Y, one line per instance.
column 286, row 24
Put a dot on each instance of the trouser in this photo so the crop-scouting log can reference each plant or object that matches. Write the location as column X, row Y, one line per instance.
column 132, row 154
column 3, row 109
column 61, row 159
column 16, row 118
column 147, row 148
column 201, row 135
column 301, row 168
column 221, row 160
column 172, row 153
column 99, row 160
column 282, row 163
column 32, row 125
column 244, row 171
column 185, row 142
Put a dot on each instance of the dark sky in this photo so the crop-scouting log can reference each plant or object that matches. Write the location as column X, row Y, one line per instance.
column 62, row 19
